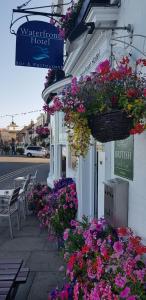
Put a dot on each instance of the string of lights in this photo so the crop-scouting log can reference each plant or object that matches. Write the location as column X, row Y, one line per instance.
column 20, row 114
column 24, row 4
column 46, row 6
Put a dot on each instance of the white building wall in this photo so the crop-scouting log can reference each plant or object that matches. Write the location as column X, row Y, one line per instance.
column 133, row 12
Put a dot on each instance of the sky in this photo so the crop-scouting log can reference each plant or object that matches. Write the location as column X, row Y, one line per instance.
column 20, row 87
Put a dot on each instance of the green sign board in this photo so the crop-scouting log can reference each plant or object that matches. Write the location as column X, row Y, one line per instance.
column 123, row 158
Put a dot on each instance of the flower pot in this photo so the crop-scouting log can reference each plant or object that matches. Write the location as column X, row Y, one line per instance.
column 112, row 126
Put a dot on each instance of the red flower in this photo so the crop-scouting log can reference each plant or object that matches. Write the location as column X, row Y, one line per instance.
column 135, row 241
column 103, row 68
column 85, row 249
column 141, row 61
column 144, row 92
column 123, row 231
column 71, row 262
column 139, row 128
column 140, row 249
column 125, row 60
column 132, row 93
column 144, row 62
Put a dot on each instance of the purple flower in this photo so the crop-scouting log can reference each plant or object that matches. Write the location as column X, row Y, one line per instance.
column 125, row 293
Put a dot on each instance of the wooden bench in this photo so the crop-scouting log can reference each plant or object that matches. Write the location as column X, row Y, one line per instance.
column 22, row 275
column 5, row 289
column 11, row 275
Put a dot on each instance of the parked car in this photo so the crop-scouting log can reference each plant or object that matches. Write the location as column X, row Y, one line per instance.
column 35, row 151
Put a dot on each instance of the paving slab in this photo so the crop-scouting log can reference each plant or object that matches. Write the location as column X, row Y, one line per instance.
column 16, row 254
column 50, row 245
column 43, row 279
column 28, row 231
column 23, row 244
column 32, row 245
column 44, row 261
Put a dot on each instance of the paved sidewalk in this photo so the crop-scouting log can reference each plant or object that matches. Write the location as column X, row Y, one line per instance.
column 38, row 253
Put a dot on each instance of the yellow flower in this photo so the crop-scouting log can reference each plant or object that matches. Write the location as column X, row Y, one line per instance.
column 138, row 101
column 79, row 138
column 129, row 106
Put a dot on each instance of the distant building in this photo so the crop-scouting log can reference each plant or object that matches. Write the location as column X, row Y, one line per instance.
column 9, row 133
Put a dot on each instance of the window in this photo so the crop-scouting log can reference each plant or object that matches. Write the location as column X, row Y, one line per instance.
column 52, row 159
column 37, row 148
column 63, row 161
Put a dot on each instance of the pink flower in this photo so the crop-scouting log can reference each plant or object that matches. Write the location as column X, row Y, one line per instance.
column 118, row 247
column 74, row 81
column 74, row 223
column 125, row 293
column 61, row 33
column 81, row 108
column 120, row 281
column 104, row 67
column 140, row 274
column 76, row 291
column 131, row 298
column 64, row 295
column 64, row 206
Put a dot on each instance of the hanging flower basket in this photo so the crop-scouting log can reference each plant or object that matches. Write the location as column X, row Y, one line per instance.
column 110, row 104
column 43, row 132
column 112, row 126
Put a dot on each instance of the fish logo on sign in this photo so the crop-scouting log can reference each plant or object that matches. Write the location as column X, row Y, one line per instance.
column 41, row 53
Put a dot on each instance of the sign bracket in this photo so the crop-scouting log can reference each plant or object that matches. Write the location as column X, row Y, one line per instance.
column 22, row 11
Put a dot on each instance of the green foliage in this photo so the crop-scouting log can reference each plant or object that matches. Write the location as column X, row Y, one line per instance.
column 20, row 151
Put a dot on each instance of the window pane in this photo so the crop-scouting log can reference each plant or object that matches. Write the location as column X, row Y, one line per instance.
column 63, row 161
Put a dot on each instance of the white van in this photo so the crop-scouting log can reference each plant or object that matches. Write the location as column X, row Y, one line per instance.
column 35, row 151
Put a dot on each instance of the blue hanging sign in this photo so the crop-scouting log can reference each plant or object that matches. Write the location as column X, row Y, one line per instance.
column 39, row 45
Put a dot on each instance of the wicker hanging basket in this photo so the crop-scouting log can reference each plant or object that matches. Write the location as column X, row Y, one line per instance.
column 112, row 126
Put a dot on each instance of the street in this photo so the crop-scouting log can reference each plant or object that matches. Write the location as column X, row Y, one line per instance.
column 12, row 167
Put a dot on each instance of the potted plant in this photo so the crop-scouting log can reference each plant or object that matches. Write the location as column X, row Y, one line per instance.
column 53, row 76
column 72, row 24
column 43, row 132
column 67, row 22
column 37, row 198
column 66, row 210
column 110, row 104
column 106, row 264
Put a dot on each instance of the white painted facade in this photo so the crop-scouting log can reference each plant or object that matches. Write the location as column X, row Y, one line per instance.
column 84, row 55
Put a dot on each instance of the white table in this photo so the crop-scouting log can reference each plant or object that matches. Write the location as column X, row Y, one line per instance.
column 18, row 181
column 3, row 193
column 8, row 193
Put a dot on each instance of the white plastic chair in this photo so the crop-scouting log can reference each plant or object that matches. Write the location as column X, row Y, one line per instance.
column 9, row 206
column 33, row 180
column 23, row 195
column 21, row 180
column 33, row 177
